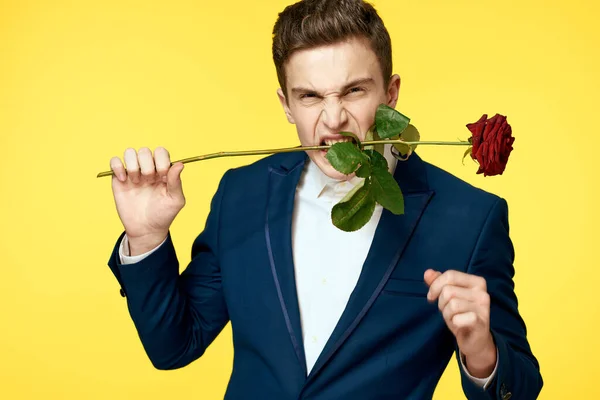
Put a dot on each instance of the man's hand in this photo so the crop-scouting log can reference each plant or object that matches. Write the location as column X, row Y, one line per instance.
column 148, row 194
column 465, row 305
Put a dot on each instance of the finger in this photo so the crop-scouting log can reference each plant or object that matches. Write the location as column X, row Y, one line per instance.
column 162, row 161
column 131, row 164
column 456, row 278
column 464, row 320
column 146, row 164
column 450, row 292
column 457, row 306
column 118, row 169
column 174, row 185
column 430, row 276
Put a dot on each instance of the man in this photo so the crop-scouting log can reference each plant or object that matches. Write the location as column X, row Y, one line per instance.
column 318, row 313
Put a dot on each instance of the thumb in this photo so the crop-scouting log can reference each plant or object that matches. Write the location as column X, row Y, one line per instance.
column 174, row 186
column 430, row 276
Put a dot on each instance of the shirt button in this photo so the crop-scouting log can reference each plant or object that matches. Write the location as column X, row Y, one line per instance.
column 314, row 339
column 324, row 281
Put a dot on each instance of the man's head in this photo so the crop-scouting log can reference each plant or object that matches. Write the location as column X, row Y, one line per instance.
column 334, row 64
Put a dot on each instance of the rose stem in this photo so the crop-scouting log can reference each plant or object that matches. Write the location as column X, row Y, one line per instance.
column 293, row 149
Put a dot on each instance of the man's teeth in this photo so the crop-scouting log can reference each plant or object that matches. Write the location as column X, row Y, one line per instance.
column 330, row 142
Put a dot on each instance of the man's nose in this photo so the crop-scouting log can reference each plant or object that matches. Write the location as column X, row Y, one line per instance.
column 334, row 115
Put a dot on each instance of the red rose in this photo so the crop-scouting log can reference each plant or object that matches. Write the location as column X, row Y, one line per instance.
column 492, row 143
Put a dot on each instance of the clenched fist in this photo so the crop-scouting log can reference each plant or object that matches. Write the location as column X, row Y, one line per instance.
column 464, row 303
column 148, row 194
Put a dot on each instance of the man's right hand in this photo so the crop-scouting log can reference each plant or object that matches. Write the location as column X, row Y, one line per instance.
column 148, row 195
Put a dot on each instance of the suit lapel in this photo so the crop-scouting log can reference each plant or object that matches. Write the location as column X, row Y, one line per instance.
column 283, row 179
column 391, row 236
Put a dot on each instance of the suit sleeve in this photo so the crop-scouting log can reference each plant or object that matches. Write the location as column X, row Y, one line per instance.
column 176, row 316
column 518, row 374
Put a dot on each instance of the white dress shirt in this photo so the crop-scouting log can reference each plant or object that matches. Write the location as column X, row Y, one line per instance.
column 327, row 260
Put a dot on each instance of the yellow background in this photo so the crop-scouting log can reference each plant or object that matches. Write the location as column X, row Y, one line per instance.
column 82, row 80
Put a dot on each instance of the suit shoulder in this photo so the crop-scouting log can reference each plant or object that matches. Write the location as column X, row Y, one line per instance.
column 261, row 166
column 255, row 174
column 452, row 187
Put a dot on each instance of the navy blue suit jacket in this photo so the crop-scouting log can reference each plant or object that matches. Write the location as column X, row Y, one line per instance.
column 390, row 342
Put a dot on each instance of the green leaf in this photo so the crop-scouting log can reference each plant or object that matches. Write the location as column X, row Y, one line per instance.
column 410, row 134
column 385, row 188
column 364, row 171
column 390, row 122
column 369, row 136
column 387, row 192
column 354, row 213
column 403, row 148
column 345, row 157
column 467, row 152
column 378, row 161
column 378, row 147
column 372, row 135
column 355, row 189
column 353, row 136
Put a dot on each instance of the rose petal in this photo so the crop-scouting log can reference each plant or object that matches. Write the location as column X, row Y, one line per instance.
column 492, row 142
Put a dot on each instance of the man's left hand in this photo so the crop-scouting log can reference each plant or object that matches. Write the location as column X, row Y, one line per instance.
column 465, row 304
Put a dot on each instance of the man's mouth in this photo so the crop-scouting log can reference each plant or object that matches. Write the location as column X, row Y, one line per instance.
column 332, row 141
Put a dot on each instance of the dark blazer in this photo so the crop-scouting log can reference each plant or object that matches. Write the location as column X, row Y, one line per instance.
column 390, row 342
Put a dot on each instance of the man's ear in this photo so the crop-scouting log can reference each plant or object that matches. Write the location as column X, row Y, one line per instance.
column 285, row 106
column 393, row 91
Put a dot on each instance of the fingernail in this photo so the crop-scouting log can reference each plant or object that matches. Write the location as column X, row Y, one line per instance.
column 164, row 178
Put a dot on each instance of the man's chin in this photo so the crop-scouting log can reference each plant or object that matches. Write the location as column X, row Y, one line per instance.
column 334, row 174
column 328, row 170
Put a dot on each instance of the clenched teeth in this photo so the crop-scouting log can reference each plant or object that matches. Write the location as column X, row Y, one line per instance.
column 330, row 142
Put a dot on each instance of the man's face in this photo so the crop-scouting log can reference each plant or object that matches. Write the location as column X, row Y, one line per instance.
column 331, row 89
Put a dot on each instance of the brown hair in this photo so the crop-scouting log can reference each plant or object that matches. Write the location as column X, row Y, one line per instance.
column 313, row 23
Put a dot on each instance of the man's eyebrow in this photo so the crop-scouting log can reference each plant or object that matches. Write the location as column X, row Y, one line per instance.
column 349, row 85
column 358, row 82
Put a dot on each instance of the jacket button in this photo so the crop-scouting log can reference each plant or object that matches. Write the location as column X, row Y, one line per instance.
column 122, row 292
column 505, row 395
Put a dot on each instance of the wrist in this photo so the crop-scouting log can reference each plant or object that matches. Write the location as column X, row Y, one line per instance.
column 482, row 364
column 143, row 244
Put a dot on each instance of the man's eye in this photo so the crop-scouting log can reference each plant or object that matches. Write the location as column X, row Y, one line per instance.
column 308, row 95
column 355, row 90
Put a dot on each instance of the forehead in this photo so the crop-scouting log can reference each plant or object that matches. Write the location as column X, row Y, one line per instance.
column 330, row 67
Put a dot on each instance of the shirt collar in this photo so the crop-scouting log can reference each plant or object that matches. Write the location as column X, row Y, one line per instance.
column 321, row 185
